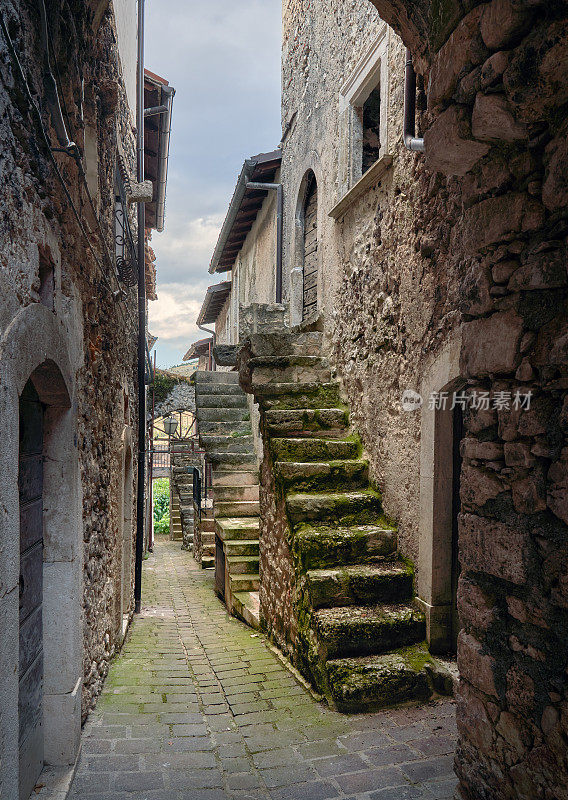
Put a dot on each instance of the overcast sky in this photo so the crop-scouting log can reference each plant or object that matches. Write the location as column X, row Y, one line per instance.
column 223, row 58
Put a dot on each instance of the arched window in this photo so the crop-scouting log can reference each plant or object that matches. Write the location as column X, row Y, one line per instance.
column 310, row 261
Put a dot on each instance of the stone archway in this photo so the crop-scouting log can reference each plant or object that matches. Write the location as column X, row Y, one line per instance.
column 33, row 352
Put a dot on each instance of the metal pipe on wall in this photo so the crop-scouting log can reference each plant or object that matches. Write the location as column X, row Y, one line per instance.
column 411, row 142
column 141, row 483
column 278, row 188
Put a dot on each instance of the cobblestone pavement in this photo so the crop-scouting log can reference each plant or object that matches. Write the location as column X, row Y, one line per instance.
column 198, row 708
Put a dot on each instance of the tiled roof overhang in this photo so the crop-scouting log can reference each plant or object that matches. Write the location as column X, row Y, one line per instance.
column 199, row 348
column 214, row 301
column 243, row 209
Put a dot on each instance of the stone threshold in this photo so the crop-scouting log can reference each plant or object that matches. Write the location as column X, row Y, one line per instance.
column 56, row 782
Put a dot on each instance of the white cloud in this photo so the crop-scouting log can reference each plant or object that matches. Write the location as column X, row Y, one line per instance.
column 172, row 316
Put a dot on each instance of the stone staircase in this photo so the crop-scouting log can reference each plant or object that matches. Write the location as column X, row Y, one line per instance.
column 183, row 459
column 351, row 626
column 226, row 436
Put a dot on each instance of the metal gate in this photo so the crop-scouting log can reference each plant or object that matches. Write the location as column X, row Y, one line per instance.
column 30, row 700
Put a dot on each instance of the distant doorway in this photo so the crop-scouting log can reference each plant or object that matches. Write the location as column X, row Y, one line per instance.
column 31, row 656
column 310, row 291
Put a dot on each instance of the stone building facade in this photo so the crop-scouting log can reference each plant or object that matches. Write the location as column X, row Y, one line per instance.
column 67, row 371
column 448, row 273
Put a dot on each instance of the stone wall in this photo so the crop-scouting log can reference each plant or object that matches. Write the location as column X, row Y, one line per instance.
column 472, row 234
column 45, row 259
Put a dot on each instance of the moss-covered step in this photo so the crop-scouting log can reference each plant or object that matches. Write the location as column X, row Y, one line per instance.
column 233, row 528
column 307, row 422
column 241, row 547
column 244, row 583
column 206, row 376
column 234, row 460
column 213, row 414
column 228, row 444
column 298, row 395
column 366, row 630
column 304, row 343
column 242, row 565
column 207, row 387
column 356, row 507
column 373, row 682
column 290, row 369
column 220, row 428
column 220, row 401
column 324, row 475
column 360, row 584
column 236, row 508
column 303, row 449
column 234, row 493
column 207, row 562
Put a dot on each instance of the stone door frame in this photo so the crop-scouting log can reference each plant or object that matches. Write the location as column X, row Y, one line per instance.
column 442, row 374
column 35, row 346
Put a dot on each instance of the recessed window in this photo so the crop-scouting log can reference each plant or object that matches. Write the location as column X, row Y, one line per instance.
column 371, row 129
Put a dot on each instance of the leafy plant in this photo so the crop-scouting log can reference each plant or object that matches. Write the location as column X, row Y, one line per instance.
column 161, row 506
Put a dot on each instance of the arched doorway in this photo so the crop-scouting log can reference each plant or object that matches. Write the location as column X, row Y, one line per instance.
column 30, row 639
column 41, row 555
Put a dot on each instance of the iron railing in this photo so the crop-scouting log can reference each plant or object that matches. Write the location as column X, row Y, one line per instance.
column 124, row 248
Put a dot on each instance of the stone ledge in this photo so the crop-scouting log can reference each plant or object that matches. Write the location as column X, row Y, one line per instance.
column 371, row 177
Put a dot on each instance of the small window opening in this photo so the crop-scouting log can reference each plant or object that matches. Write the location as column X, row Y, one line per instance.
column 371, row 129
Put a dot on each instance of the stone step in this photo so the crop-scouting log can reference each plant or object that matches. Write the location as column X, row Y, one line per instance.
column 244, row 583
column 206, row 387
column 224, row 428
column 302, row 450
column 360, row 584
column 229, row 444
column 207, row 562
column 203, row 377
column 289, row 369
column 212, row 414
column 246, row 605
column 280, row 343
column 298, row 395
column 332, row 422
column 232, row 460
column 207, row 524
column 324, row 475
column 221, row 401
column 234, row 478
column 367, row 630
column 208, row 537
column 236, row 508
column 350, row 508
column 242, row 565
column 372, row 682
column 233, row 528
column 234, row 493
column 321, row 546
column 241, row 547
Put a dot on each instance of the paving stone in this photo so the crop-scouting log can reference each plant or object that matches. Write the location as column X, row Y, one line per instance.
column 197, row 708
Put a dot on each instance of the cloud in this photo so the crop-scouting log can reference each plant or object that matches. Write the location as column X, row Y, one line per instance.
column 172, row 316
column 185, row 251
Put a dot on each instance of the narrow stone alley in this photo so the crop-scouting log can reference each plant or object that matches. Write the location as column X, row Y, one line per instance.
column 197, row 707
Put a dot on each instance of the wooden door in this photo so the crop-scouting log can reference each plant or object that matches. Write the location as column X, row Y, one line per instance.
column 30, row 701
column 456, row 507
column 310, row 295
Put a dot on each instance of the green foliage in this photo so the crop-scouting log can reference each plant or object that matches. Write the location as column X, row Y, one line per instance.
column 163, row 385
column 161, row 509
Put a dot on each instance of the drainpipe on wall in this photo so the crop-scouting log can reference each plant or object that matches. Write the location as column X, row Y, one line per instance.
column 212, row 364
column 141, row 483
column 277, row 187
column 411, row 142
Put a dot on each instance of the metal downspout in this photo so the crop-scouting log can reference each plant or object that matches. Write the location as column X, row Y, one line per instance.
column 279, row 228
column 141, row 483
column 163, row 155
column 214, row 335
column 411, row 142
